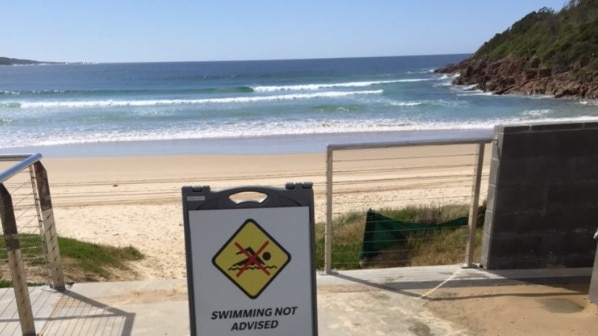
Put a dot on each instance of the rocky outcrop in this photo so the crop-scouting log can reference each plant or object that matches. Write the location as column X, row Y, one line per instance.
column 511, row 75
column 15, row 61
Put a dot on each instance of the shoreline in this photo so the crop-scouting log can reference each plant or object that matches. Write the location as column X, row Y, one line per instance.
column 274, row 144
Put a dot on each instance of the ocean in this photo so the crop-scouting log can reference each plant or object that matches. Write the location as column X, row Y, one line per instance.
column 278, row 106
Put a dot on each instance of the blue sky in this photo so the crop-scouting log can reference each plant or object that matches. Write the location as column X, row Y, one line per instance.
column 203, row 30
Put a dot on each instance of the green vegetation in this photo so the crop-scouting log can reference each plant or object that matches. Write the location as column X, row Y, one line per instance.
column 436, row 247
column 92, row 262
column 82, row 261
column 31, row 248
column 563, row 41
column 4, row 283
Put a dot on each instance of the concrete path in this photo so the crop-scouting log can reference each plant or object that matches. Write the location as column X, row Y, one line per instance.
column 357, row 302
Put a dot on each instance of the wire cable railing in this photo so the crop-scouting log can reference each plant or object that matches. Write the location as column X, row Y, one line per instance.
column 398, row 175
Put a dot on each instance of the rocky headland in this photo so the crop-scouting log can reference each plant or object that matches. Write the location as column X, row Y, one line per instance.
column 513, row 75
column 545, row 53
column 18, row 61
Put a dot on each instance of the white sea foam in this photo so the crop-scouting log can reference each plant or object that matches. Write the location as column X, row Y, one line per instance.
column 261, row 128
column 474, row 92
column 535, row 114
column 320, row 86
column 415, row 80
column 537, row 96
column 591, row 102
column 410, row 103
column 163, row 102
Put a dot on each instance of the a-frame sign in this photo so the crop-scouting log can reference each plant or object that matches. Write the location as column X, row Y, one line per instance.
column 250, row 264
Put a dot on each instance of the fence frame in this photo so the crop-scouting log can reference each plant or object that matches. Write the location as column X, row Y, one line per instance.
column 43, row 204
column 475, row 192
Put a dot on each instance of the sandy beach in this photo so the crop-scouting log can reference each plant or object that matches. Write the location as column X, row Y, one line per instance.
column 136, row 201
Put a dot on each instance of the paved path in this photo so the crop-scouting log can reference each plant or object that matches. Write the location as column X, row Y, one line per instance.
column 358, row 302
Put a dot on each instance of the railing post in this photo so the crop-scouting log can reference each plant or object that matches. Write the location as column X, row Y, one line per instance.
column 475, row 199
column 48, row 233
column 328, row 228
column 15, row 261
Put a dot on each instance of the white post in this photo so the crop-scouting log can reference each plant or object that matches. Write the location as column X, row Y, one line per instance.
column 328, row 228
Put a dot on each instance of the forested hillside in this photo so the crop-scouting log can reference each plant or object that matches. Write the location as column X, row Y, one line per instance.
column 546, row 52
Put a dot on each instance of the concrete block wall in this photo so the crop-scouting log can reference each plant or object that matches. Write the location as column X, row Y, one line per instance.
column 542, row 206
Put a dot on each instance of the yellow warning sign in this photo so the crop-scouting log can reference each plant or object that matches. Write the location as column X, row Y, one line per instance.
column 251, row 259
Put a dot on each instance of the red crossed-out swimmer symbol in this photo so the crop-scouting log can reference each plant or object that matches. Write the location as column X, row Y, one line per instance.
column 252, row 258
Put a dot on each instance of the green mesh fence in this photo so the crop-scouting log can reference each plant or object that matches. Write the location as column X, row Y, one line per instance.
column 382, row 232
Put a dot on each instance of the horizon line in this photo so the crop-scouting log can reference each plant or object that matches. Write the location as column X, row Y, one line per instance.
column 230, row 60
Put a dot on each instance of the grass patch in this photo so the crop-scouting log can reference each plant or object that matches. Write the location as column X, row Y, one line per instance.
column 92, row 262
column 347, row 234
column 5, row 283
column 82, row 261
column 31, row 249
column 431, row 247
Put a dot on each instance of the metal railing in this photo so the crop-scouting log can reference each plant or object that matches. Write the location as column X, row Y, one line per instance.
column 404, row 173
column 30, row 238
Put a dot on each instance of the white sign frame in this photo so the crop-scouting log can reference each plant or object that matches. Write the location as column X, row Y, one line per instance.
column 286, row 305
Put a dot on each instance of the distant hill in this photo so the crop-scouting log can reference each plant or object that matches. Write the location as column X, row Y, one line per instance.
column 16, row 61
column 543, row 53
